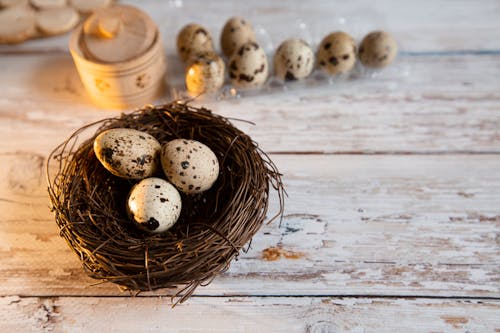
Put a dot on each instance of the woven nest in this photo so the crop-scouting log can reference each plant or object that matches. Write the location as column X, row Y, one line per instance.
column 89, row 204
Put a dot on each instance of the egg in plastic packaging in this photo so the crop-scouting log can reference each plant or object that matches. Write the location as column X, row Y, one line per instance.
column 193, row 40
column 248, row 67
column 205, row 74
column 293, row 60
column 236, row 32
column 337, row 53
column 377, row 49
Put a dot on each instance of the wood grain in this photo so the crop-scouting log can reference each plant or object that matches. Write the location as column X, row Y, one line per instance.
column 243, row 314
column 392, row 223
column 354, row 225
column 442, row 105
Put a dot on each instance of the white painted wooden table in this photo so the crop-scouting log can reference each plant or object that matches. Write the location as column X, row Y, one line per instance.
column 392, row 220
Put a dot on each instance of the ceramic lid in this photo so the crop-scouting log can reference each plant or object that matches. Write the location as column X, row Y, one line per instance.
column 118, row 33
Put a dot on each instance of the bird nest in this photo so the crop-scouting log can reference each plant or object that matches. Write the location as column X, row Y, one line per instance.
column 90, row 204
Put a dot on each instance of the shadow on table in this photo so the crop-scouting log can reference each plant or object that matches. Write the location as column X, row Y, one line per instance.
column 57, row 79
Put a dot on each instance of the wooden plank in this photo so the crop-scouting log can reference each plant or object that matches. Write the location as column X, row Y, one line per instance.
column 447, row 25
column 242, row 314
column 443, row 104
column 424, row 222
column 354, row 225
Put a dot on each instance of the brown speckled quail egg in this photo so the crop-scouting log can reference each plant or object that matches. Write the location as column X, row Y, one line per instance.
column 192, row 40
column 377, row 49
column 154, row 204
column 293, row 60
column 236, row 32
column 205, row 74
column 190, row 165
column 127, row 153
column 248, row 66
column 337, row 53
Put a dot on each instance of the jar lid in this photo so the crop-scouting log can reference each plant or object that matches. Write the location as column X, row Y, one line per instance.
column 118, row 33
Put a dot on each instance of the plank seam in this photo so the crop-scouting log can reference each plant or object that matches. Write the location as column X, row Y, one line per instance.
column 356, row 296
column 388, row 153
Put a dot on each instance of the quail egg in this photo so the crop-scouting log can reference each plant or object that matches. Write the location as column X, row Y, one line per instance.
column 154, row 204
column 205, row 74
column 337, row 53
column 377, row 49
column 236, row 32
column 192, row 40
column 190, row 165
column 127, row 153
column 293, row 60
column 248, row 66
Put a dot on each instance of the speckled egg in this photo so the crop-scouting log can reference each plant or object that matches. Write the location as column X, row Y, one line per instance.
column 337, row 53
column 127, row 153
column 293, row 60
column 190, row 165
column 377, row 49
column 192, row 40
column 236, row 32
column 154, row 204
column 248, row 66
column 205, row 74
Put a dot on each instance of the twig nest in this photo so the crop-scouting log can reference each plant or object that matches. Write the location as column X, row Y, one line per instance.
column 90, row 203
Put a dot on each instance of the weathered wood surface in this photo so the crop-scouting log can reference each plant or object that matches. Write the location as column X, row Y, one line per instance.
column 442, row 106
column 244, row 314
column 377, row 225
column 393, row 182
